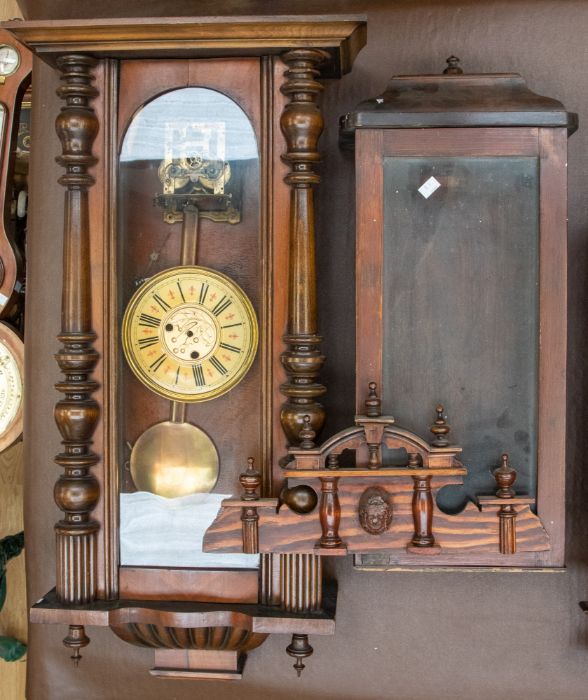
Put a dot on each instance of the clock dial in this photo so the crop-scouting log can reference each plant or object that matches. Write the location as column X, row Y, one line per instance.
column 190, row 334
column 9, row 59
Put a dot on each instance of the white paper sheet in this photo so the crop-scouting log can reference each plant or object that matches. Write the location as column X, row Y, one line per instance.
column 157, row 531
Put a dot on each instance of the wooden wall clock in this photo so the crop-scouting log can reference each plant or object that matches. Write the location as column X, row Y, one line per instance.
column 189, row 298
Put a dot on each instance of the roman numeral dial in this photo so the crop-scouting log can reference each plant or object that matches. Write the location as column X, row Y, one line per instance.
column 189, row 334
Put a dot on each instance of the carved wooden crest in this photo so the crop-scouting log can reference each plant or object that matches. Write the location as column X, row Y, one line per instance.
column 375, row 511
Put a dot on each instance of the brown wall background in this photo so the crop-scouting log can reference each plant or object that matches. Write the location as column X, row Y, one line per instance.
column 407, row 636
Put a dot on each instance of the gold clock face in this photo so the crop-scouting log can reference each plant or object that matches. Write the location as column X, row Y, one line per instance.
column 190, row 334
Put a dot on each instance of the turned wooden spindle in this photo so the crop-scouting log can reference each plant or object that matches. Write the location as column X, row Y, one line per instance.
column 302, row 123
column 373, row 405
column 505, row 477
column 77, row 490
column 422, row 512
column 299, row 649
column 440, row 428
column 330, row 513
column 250, row 481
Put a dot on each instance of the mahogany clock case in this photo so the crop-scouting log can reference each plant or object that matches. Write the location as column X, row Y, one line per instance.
column 387, row 602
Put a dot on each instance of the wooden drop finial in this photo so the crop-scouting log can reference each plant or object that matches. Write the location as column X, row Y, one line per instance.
column 307, row 435
column 453, row 67
column 299, row 649
column 373, row 405
column 440, row 428
column 505, row 477
column 250, row 481
column 75, row 640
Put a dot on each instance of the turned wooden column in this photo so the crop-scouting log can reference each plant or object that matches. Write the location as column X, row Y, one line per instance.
column 422, row 513
column 330, row 513
column 76, row 414
column 302, row 123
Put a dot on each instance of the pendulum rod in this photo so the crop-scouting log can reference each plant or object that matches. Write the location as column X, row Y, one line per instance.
column 188, row 256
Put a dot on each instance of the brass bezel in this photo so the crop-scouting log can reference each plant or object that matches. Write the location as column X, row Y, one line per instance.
column 17, row 64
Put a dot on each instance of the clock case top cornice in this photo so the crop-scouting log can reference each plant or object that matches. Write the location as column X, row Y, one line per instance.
column 341, row 36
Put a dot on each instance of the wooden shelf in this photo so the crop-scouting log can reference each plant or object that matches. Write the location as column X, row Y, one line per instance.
column 261, row 619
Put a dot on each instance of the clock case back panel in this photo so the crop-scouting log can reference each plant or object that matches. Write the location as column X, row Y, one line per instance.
column 237, row 422
column 233, row 249
column 460, row 307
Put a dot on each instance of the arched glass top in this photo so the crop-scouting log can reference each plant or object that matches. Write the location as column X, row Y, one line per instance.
column 188, row 122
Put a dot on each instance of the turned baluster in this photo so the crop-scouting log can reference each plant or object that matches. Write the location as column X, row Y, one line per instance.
column 330, row 513
column 302, row 123
column 76, row 414
column 422, row 514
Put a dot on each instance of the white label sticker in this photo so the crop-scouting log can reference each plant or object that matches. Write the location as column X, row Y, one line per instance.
column 428, row 187
column 3, row 299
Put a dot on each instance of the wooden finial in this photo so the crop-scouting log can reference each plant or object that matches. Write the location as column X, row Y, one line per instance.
column 307, row 435
column 414, row 460
column 332, row 461
column 453, row 67
column 299, row 649
column 440, row 428
column 505, row 477
column 373, row 405
column 250, row 481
